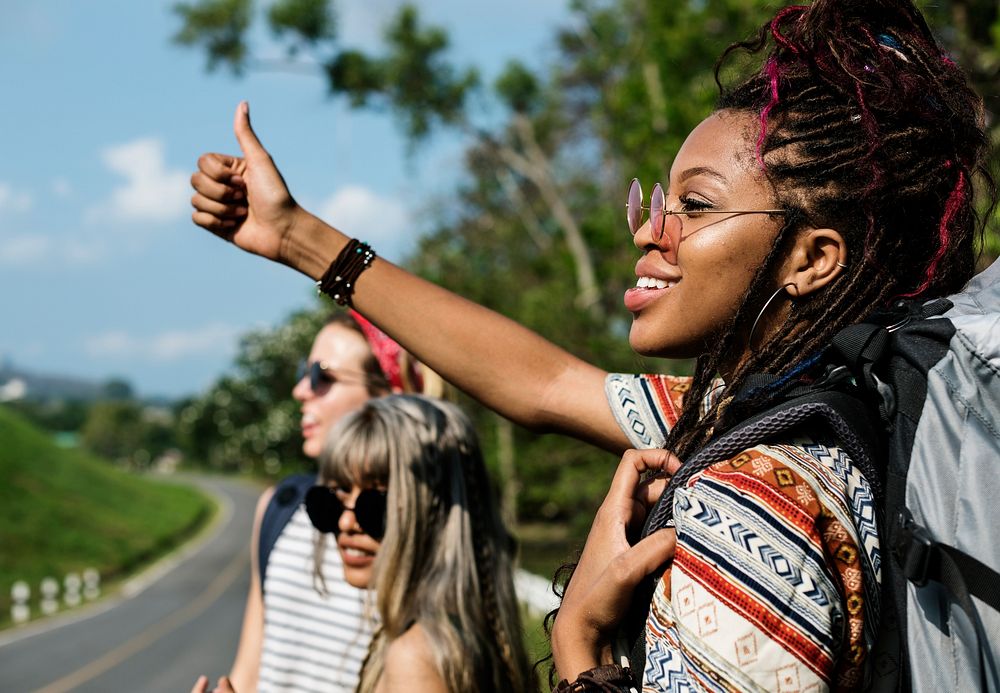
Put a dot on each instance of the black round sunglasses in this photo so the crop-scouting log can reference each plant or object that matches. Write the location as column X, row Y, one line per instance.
column 325, row 508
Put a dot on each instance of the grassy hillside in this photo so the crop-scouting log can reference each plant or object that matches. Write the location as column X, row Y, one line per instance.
column 63, row 510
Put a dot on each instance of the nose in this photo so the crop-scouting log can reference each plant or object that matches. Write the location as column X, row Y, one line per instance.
column 302, row 390
column 348, row 522
column 645, row 240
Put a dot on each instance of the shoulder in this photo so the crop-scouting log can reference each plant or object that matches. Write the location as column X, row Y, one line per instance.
column 262, row 502
column 409, row 663
column 288, row 491
column 646, row 406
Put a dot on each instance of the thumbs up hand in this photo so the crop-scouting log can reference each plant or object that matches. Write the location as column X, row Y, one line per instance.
column 244, row 199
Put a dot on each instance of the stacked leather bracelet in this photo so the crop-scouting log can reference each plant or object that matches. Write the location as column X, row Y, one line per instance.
column 339, row 279
column 608, row 678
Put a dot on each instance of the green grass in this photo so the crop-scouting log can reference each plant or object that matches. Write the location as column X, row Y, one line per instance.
column 63, row 510
column 544, row 547
column 536, row 642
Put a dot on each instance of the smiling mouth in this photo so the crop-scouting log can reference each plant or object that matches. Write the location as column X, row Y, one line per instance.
column 356, row 558
column 654, row 283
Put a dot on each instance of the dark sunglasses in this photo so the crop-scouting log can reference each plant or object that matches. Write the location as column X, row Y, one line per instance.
column 321, row 376
column 325, row 509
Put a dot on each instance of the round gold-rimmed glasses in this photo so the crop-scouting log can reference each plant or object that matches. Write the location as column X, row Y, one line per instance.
column 658, row 214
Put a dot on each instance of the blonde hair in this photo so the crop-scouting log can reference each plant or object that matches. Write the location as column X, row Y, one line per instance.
column 445, row 559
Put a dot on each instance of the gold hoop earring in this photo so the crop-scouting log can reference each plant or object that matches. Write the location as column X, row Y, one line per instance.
column 761, row 313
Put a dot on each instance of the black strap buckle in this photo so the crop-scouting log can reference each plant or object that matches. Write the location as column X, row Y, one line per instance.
column 913, row 549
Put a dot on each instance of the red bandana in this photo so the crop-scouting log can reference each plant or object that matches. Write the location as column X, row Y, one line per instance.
column 389, row 355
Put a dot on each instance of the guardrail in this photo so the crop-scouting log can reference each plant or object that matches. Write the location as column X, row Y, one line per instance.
column 75, row 588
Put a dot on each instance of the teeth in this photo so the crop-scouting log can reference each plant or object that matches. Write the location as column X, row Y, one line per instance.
column 354, row 552
column 308, row 419
column 653, row 283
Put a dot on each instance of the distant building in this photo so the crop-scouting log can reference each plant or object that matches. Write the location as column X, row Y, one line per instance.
column 13, row 390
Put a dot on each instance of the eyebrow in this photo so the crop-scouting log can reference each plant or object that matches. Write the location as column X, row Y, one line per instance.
column 702, row 170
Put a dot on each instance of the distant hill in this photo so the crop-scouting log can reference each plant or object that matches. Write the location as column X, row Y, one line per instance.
column 62, row 510
column 17, row 383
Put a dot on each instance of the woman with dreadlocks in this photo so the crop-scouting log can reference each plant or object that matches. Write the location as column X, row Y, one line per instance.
column 836, row 179
column 861, row 138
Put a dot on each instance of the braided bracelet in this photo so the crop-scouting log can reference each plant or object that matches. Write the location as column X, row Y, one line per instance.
column 609, row 678
column 339, row 279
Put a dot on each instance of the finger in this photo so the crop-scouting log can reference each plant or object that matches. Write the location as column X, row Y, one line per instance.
column 633, row 465
column 220, row 167
column 650, row 491
column 628, row 569
column 225, row 685
column 200, row 685
column 251, row 146
column 611, row 593
column 223, row 228
column 216, row 190
column 653, row 551
column 219, row 209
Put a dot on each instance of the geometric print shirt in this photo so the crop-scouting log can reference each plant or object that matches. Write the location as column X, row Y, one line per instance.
column 774, row 585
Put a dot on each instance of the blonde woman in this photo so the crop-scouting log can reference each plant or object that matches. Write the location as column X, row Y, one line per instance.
column 404, row 489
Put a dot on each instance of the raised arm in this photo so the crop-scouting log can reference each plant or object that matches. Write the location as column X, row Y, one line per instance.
column 505, row 366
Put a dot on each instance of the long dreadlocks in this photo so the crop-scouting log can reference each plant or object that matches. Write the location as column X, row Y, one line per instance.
column 868, row 127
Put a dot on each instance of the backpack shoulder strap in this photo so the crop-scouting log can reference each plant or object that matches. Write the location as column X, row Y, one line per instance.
column 287, row 497
column 841, row 412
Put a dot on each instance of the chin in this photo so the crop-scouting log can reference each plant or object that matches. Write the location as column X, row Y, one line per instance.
column 654, row 348
column 358, row 578
column 651, row 343
column 311, row 448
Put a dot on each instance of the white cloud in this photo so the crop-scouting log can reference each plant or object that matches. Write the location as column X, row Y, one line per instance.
column 62, row 188
column 33, row 248
column 172, row 345
column 12, row 200
column 24, row 249
column 377, row 219
column 152, row 192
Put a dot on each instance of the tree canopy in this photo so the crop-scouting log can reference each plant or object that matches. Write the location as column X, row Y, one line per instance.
column 536, row 229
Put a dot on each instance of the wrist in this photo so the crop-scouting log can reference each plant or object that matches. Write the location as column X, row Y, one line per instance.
column 607, row 677
column 578, row 649
column 310, row 244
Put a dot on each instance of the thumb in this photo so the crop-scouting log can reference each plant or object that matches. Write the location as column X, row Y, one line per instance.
column 653, row 551
column 245, row 135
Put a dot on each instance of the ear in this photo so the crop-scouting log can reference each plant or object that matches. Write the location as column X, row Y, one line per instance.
column 818, row 257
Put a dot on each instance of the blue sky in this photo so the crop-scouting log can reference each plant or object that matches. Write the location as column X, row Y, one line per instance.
column 101, row 271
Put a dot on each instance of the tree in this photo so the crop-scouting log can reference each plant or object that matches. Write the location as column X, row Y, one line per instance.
column 127, row 432
column 247, row 420
column 536, row 231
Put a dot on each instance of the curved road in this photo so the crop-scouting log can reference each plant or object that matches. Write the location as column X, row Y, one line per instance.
column 184, row 620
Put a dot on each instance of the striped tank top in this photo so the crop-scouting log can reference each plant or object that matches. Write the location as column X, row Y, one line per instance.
column 312, row 642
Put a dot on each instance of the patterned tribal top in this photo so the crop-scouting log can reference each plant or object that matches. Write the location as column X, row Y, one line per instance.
column 775, row 580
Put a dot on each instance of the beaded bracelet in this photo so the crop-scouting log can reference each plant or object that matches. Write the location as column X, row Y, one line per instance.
column 339, row 279
column 609, row 678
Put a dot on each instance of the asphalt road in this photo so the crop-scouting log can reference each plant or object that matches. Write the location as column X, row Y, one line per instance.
column 180, row 620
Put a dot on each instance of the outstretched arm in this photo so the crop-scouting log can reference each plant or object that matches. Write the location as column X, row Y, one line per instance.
column 505, row 366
